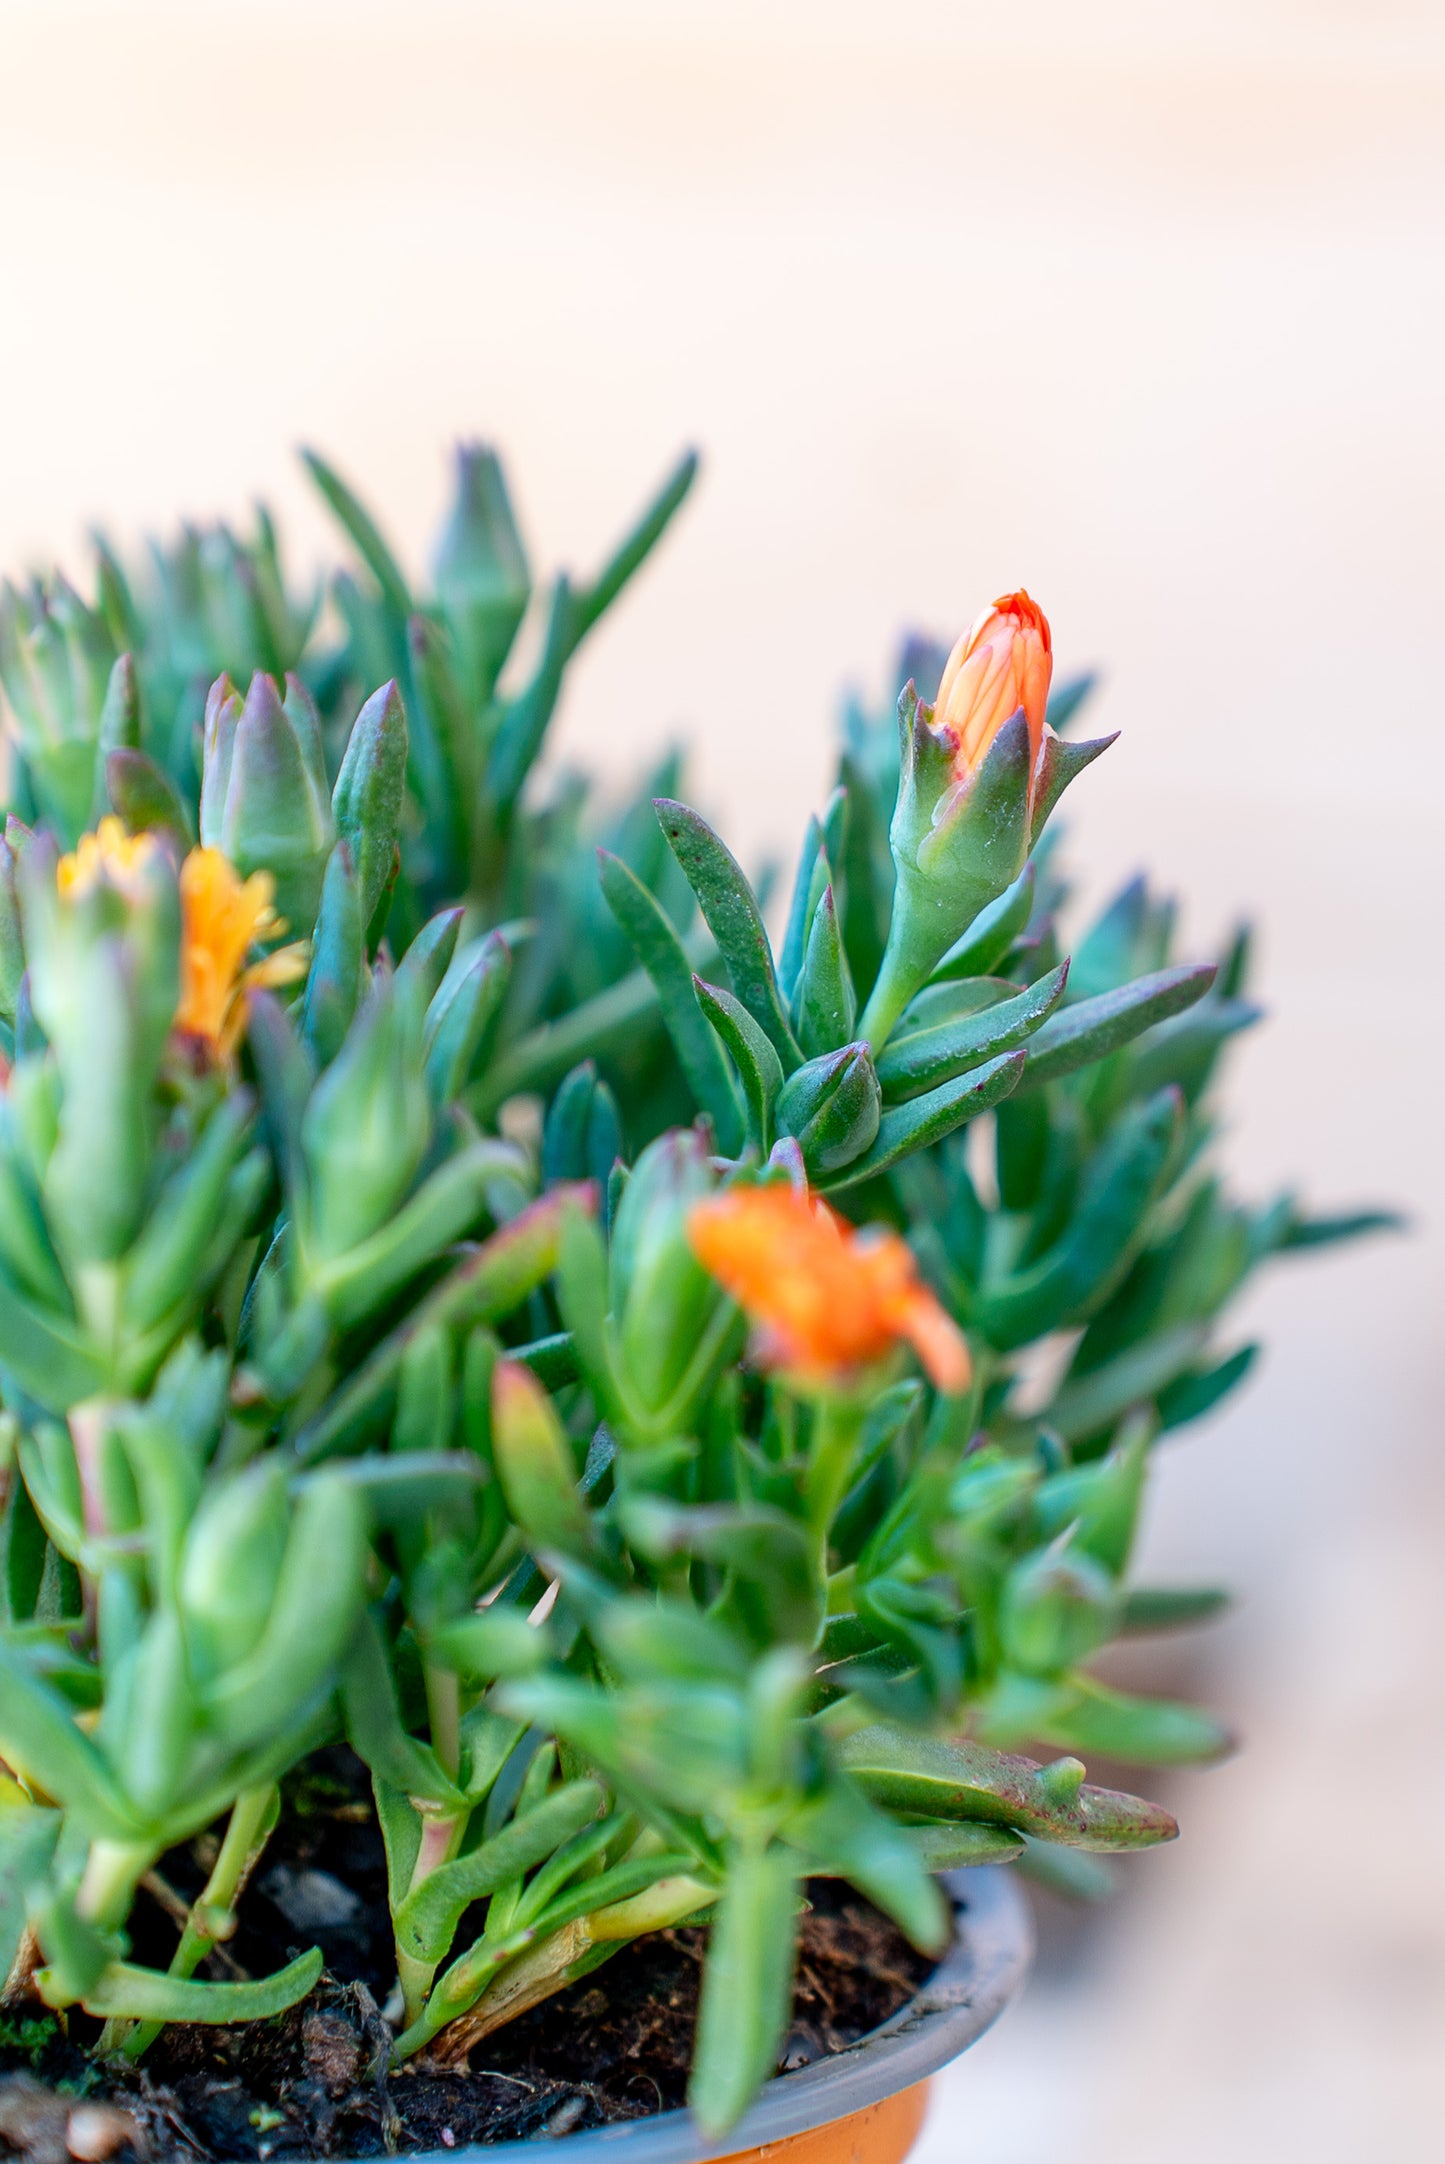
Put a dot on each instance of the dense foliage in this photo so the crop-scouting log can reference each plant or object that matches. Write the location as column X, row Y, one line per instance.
column 394, row 1153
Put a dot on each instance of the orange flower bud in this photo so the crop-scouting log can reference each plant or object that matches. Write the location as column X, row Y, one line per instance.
column 1003, row 663
column 824, row 1300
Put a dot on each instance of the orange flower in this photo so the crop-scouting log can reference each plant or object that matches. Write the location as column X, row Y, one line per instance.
column 1002, row 664
column 109, row 856
column 823, row 1298
column 222, row 918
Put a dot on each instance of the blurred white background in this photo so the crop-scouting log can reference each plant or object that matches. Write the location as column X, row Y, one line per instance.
column 1140, row 304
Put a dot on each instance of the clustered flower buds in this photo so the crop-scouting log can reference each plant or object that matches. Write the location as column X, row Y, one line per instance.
column 422, row 1325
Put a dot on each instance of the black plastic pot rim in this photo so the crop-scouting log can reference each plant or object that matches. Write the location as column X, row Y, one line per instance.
column 978, row 1977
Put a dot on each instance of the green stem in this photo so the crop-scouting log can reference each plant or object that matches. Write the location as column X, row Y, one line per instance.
column 440, row 1836
column 897, row 982
column 88, row 1424
column 113, row 1870
column 212, row 1915
column 836, row 1424
column 444, row 1711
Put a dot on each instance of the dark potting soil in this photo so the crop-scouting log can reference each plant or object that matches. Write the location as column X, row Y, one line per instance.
column 315, row 2082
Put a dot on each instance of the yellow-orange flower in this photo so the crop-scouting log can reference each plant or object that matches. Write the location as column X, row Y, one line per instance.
column 222, row 918
column 109, row 856
column 824, row 1300
column 1003, row 663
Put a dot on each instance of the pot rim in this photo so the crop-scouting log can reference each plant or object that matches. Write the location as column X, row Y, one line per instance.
column 978, row 1977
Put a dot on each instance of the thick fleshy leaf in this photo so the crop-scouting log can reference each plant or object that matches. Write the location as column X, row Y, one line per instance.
column 1058, row 764
column 39, row 1738
column 759, row 1069
column 747, row 1986
column 664, row 957
column 927, row 1119
column 1136, row 1731
column 146, row 798
column 427, row 1919
column 824, row 1005
column 930, row 1778
column 594, row 599
column 364, row 531
column 957, row 1844
column 462, row 1014
column 920, row 1060
column 831, row 1107
column 1171, row 1607
column 1109, row 1219
column 486, row 1285
column 734, row 919
column 333, row 983
column 1092, row 1028
column 534, row 1463
column 366, row 802
column 28, row 1836
column 124, row 1992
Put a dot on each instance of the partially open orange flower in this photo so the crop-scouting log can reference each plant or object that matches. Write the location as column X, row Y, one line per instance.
column 1003, row 663
column 824, row 1299
column 109, row 856
column 222, row 918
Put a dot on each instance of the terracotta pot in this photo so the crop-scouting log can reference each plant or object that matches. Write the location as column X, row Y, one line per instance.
column 862, row 2106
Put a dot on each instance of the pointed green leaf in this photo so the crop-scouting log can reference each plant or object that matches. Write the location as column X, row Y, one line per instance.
column 758, row 1066
column 927, row 1777
column 734, row 919
column 664, row 957
column 333, row 982
column 1085, row 1403
column 146, row 798
column 958, row 1845
column 1136, row 1731
column 927, row 1119
column 534, row 1463
column 824, row 1003
column 1171, row 1607
column 367, row 799
column 28, row 1836
column 591, row 601
column 525, row 719
column 39, row 1738
column 364, row 531
column 427, row 1919
column 461, row 1017
column 923, row 1058
column 487, row 1284
column 131, row 1994
column 747, row 1987
column 1108, row 1221
column 1092, row 1028
column 1190, row 1397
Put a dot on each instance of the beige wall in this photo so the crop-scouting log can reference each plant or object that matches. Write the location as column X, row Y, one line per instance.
column 1141, row 305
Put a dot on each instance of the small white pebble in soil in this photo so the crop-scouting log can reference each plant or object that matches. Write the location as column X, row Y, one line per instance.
column 449, row 2139
column 94, row 2131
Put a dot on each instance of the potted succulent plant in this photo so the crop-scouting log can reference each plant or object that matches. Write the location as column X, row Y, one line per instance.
column 508, row 1370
